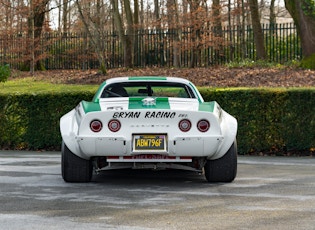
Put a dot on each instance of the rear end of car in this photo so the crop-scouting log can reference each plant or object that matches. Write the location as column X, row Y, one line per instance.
column 149, row 132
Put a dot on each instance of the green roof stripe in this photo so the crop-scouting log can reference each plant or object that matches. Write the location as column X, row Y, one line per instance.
column 194, row 88
column 99, row 92
column 147, row 78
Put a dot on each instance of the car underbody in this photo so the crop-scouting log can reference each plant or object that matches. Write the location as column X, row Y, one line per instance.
column 195, row 164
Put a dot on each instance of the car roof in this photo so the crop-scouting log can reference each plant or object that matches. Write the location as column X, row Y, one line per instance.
column 147, row 78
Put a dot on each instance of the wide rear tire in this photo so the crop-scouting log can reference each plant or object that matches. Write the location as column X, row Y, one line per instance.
column 223, row 169
column 74, row 168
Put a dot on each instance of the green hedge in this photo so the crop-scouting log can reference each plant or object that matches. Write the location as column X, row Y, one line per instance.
column 32, row 121
column 268, row 119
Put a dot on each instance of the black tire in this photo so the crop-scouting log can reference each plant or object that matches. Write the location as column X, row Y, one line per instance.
column 223, row 169
column 74, row 168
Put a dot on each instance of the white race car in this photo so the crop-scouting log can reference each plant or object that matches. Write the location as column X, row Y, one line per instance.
column 148, row 123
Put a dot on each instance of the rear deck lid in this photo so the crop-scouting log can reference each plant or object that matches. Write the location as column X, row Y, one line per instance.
column 149, row 103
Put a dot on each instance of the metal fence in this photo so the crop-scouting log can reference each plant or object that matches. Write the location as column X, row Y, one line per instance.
column 184, row 47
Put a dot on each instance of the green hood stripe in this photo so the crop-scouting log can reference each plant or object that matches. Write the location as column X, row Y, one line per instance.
column 161, row 103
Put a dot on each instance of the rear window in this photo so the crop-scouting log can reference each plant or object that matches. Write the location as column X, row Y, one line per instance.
column 145, row 89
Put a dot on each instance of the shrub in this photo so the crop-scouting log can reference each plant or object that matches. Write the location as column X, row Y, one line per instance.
column 5, row 73
column 308, row 62
column 268, row 119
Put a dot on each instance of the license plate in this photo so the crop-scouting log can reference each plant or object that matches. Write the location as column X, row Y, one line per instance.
column 149, row 143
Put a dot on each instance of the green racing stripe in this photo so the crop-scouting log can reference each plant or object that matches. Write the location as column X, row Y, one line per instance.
column 133, row 103
column 99, row 92
column 146, row 78
column 137, row 103
column 207, row 106
column 90, row 106
column 160, row 103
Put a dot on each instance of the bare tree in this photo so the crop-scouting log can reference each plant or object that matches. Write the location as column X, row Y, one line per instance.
column 240, row 23
column 217, row 27
column 303, row 14
column 216, row 15
column 127, row 39
column 35, row 22
column 272, row 17
column 6, row 15
column 65, row 10
column 196, row 18
column 258, row 33
column 157, row 13
column 130, row 34
column 174, row 27
column 18, row 17
column 94, row 34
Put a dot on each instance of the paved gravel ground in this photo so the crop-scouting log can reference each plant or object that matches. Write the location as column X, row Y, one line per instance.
column 268, row 193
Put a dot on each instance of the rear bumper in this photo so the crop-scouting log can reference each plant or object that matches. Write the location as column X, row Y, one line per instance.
column 176, row 147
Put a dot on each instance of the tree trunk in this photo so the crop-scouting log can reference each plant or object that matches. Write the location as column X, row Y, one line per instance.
column 136, row 47
column 216, row 15
column 241, row 28
column 258, row 33
column 65, row 16
column 157, row 13
column 35, row 23
column 272, row 17
column 217, row 27
column 195, row 32
column 173, row 22
column 303, row 14
column 126, row 40
column 129, row 48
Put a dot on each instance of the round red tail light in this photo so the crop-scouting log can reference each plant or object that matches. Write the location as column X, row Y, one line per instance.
column 203, row 125
column 184, row 125
column 114, row 125
column 96, row 125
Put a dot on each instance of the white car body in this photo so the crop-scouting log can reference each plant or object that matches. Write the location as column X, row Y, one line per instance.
column 148, row 131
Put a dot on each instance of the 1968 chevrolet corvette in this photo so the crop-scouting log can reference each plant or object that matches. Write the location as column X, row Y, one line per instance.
column 148, row 123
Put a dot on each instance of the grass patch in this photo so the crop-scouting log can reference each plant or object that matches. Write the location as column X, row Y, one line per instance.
column 30, row 86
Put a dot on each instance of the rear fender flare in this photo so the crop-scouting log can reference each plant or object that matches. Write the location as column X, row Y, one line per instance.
column 69, row 130
column 229, row 132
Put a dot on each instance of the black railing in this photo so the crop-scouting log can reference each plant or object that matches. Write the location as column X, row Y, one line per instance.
column 185, row 47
